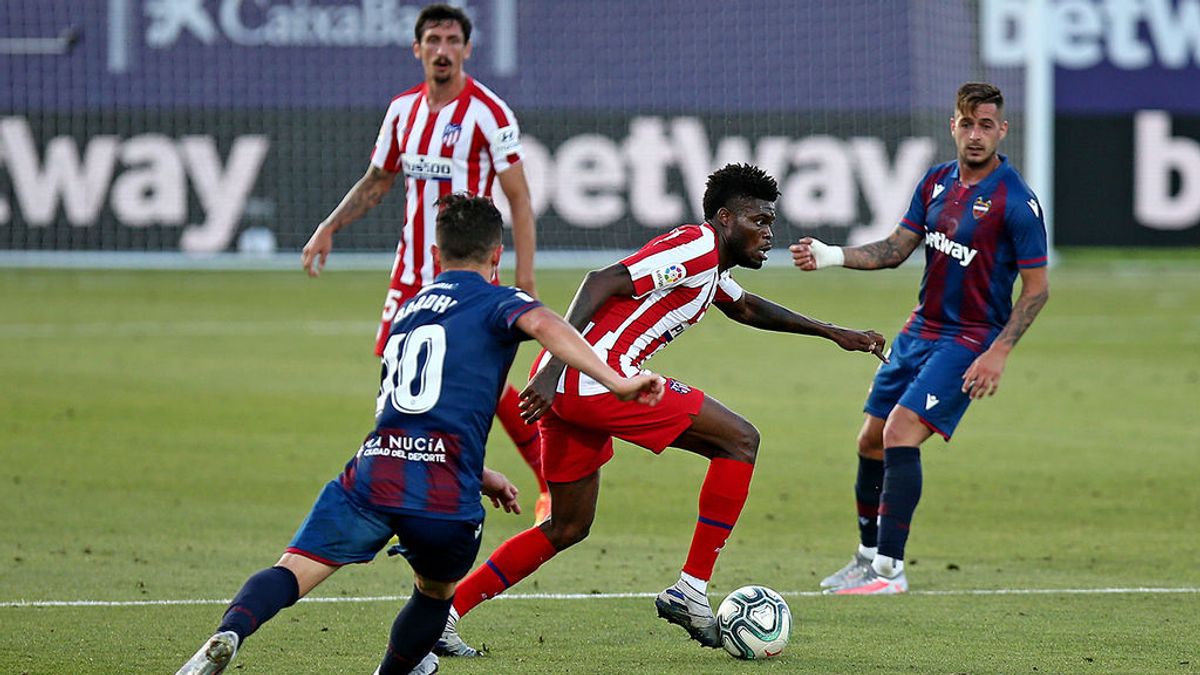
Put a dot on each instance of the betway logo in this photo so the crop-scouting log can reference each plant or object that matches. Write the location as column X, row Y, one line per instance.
column 593, row 181
column 1084, row 33
column 938, row 241
column 151, row 187
column 251, row 23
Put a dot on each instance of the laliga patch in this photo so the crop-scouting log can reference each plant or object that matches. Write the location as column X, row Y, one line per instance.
column 506, row 141
column 669, row 275
column 427, row 167
column 980, row 208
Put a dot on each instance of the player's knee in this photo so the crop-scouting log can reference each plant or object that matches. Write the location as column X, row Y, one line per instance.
column 870, row 444
column 744, row 445
column 566, row 535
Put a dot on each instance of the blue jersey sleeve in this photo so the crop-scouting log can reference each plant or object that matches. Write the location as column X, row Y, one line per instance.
column 510, row 305
column 914, row 218
column 1027, row 230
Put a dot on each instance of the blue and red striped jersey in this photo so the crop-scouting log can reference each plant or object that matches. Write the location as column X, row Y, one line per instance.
column 443, row 369
column 976, row 239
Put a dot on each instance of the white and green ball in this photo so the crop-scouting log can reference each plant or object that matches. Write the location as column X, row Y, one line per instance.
column 755, row 623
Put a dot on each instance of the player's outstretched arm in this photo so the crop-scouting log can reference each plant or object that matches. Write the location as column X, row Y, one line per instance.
column 812, row 254
column 758, row 312
column 983, row 376
column 597, row 287
column 524, row 231
column 567, row 345
column 364, row 196
column 497, row 487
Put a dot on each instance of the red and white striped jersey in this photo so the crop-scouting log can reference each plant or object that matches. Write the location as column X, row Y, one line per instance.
column 676, row 277
column 460, row 149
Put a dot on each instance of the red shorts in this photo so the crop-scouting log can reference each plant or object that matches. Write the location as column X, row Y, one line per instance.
column 397, row 295
column 577, row 431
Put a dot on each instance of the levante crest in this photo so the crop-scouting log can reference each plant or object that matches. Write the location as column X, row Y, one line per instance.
column 981, row 207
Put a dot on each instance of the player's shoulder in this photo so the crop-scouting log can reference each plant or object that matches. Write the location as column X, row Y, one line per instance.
column 490, row 100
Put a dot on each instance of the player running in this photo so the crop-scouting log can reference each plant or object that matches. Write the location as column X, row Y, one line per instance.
column 448, row 134
column 982, row 226
column 419, row 475
column 628, row 311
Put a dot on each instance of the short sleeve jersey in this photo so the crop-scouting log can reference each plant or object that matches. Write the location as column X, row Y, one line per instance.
column 460, row 149
column 976, row 239
column 444, row 366
column 676, row 276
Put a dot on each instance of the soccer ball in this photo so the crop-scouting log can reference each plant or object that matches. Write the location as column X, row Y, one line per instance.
column 755, row 623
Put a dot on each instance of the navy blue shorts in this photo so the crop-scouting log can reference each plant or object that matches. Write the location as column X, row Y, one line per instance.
column 924, row 376
column 339, row 531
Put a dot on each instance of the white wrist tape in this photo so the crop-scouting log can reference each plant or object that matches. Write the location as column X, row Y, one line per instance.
column 827, row 256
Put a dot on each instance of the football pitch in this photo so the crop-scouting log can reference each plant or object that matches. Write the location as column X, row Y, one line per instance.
column 165, row 432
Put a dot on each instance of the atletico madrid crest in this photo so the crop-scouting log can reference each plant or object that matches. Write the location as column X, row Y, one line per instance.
column 981, row 207
column 450, row 134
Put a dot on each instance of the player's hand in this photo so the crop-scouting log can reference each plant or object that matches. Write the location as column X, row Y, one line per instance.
column 646, row 388
column 983, row 377
column 812, row 254
column 862, row 341
column 312, row 257
column 538, row 395
column 497, row 487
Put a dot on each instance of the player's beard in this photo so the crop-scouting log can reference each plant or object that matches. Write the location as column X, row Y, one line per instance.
column 978, row 164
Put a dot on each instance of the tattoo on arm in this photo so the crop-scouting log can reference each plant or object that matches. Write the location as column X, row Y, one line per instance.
column 1023, row 314
column 888, row 252
column 364, row 196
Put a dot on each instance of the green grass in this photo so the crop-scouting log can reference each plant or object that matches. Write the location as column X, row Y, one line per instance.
column 163, row 433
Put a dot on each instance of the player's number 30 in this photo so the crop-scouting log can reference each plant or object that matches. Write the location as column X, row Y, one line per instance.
column 413, row 384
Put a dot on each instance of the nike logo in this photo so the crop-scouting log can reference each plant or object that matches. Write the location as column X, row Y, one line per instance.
column 937, row 190
column 930, row 401
column 1033, row 206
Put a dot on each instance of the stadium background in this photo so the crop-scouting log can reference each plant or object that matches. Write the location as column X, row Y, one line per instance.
column 176, row 125
column 162, row 432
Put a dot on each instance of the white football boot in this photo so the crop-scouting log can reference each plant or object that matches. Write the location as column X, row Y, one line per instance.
column 213, row 656
column 684, row 606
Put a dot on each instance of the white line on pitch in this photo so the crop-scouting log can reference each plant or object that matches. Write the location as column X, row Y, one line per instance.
column 597, row 596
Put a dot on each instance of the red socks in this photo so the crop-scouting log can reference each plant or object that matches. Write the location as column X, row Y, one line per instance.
column 524, row 436
column 721, row 499
column 514, row 560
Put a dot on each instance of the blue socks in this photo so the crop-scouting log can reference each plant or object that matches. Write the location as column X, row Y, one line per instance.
column 867, row 489
column 261, row 597
column 416, row 628
column 901, row 492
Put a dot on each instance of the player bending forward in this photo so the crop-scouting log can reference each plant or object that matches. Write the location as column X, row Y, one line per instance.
column 981, row 226
column 419, row 475
column 628, row 311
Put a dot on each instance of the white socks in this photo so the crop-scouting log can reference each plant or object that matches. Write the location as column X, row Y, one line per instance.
column 888, row 567
column 698, row 585
column 867, row 552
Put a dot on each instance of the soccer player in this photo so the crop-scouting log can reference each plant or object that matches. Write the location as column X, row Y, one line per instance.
column 419, row 475
column 448, row 134
column 982, row 227
column 628, row 311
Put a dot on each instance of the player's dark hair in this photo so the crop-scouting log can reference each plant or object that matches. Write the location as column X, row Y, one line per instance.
column 974, row 94
column 469, row 227
column 734, row 181
column 438, row 13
